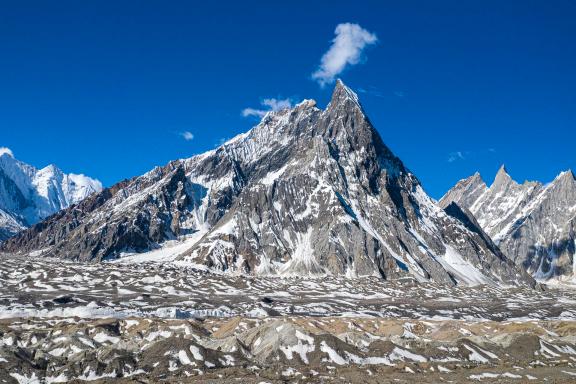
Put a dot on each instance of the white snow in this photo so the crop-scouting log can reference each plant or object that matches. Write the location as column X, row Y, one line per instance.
column 169, row 251
column 103, row 338
column 272, row 176
column 402, row 354
column 475, row 355
column 463, row 270
column 196, row 353
column 303, row 260
column 333, row 355
column 183, row 357
column 21, row 379
column 46, row 190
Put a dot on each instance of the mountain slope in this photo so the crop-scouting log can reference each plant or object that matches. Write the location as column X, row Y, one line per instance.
column 28, row 195
column 533, row 224
column 306, row 191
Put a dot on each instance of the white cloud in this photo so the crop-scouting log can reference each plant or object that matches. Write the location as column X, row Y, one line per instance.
column 6, row 150
column 276, row 105
column 253, row 112
column 187, row 135
column 270, row 104
column 346, row 49
column 453, row 156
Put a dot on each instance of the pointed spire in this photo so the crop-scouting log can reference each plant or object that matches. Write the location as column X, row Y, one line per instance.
column 502, row 178
column 502, row 170
column 342, row 94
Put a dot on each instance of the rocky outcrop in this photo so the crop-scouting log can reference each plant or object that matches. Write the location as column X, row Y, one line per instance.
column 306, row 191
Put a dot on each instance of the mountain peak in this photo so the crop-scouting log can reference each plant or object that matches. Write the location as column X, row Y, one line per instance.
column 473, row 185
column 476, row 176
column 502, row 170
column 565, row 178
column 342, row 94
column 502, row 178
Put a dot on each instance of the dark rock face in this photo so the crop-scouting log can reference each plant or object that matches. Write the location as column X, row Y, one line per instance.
column 533, row 224
column 306, row 191
column 106, row 223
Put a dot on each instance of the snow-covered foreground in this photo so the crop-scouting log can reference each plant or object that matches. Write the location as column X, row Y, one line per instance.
column 48, row 288
column 61, row 321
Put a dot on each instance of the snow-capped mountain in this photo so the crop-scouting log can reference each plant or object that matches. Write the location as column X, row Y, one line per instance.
column 533, row 224
column 306, row 191
column 28, row 195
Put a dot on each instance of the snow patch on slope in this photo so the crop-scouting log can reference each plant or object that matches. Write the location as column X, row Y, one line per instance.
column 462, row 270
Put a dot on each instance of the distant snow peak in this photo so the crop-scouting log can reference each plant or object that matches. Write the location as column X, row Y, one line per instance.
column 28, row 194
column 6, row 151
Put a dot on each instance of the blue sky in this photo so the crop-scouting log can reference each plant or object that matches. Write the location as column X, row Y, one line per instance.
column 108, row 88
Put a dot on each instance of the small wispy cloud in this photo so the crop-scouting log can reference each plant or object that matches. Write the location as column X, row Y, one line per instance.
column 455, row 156
column 372, row 91
column 6, row 150
column 269, row 105
column 221, row 141
column 346, row 49
column 470, row 155
column 187, row 135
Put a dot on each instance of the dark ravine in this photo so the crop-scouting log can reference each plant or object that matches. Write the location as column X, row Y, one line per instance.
column 307, row 191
